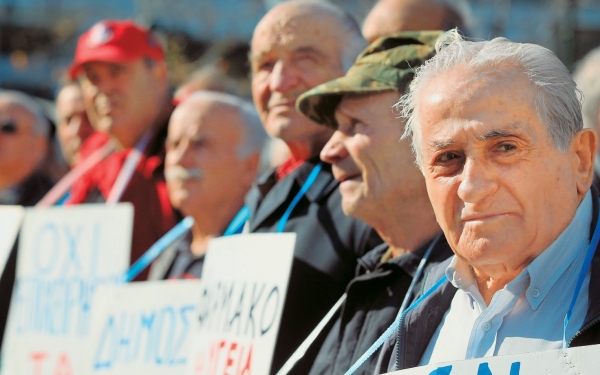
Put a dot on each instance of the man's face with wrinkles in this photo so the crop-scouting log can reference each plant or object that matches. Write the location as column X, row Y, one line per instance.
column 501, row 191
column 291, row 52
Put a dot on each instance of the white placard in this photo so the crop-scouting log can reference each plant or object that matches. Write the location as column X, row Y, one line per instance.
column 64, row 254
column 143, row 328
column 245, row 282
column 582, row 360
column 10, row 222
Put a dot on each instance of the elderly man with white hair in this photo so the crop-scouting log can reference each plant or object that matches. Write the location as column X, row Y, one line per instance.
column 213, row 150
column 497, row 131
column 24, row 143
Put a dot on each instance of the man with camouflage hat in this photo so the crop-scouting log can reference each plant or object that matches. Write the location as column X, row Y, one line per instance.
column 381, row 185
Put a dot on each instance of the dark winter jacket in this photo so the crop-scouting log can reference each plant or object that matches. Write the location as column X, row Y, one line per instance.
column 374, row 297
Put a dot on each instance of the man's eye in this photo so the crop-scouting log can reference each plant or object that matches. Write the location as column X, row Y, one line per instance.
column 265, row 65
column 447, row 157
column 197, row 143
column 507, row 147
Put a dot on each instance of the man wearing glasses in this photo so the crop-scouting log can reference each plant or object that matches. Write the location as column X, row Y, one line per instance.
column 24, row 144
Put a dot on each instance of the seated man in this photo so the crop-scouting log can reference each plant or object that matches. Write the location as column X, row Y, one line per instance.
column 381, row 185
column 24, row 144
column 212, row 159
column 122, row 70
column 497, row 131
column 296, row 46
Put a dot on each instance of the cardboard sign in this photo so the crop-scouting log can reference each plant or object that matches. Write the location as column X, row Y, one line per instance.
column 582, row 360
column 143, row 328
column 64, row 255
column 245, row 280
column 10, row 222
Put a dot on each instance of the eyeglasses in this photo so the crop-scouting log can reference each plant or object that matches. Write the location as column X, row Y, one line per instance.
column 8, row 127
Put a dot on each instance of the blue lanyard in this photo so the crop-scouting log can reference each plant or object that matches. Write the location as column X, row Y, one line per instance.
column 393, row 328
column 238, row 222
column 312, row 177
column 235, row 227
column 159, row 246
column 584, row 270
column 396, row 324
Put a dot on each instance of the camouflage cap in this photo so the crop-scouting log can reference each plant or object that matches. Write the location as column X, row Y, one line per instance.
column 387, row 64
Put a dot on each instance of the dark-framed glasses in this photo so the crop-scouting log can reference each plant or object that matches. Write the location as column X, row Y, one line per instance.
column 8, row 127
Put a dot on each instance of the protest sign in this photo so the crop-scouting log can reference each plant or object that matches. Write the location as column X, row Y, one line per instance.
column 582, row 360
column 143, row 328
column 64, row 255
column 10, row 222
column 245, row 280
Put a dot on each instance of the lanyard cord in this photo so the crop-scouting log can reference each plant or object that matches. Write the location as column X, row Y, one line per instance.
column 392, row 328
column 159, row 246
column 127, row 169
column 63, row 186
column 418, row 274
column 238, row 222
column 299, row 353
column 312, row 177
column 584, row 270
column 186, row 224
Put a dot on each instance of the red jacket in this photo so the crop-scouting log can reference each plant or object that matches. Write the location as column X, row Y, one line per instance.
column 147, row 191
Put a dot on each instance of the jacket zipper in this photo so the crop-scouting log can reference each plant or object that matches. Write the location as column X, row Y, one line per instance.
column 397, row 345
column 584, row 329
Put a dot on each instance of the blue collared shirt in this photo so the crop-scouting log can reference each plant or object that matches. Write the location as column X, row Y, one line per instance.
column 527, row 314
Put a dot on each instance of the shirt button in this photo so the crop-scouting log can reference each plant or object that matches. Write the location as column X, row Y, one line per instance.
column 535, row 293
column 486, row 326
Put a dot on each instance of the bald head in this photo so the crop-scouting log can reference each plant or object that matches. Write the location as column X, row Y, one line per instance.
column 286, row 21
column 296, row 46
column 392, row 16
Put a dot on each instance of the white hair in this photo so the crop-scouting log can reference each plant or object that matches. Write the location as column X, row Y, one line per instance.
column 254, row 133
column 41, row 123
column 587, row 77
column 557, row 99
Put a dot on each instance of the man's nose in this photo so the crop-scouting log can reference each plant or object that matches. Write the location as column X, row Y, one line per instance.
column 334, row 149
column 478, row 181
column 283, row 77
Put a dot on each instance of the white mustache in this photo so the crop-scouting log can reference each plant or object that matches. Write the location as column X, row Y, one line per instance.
column 180, row 173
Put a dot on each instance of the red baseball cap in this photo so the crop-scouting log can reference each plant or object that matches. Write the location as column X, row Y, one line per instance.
column 115, row 41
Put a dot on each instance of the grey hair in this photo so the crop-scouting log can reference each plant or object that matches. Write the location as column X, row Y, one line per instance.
column 41, row 125
column 587, row 77
column 557, row 98
column 254, row 133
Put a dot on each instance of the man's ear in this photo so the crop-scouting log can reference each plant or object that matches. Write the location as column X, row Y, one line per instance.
column 584, row 146
column 250, row 166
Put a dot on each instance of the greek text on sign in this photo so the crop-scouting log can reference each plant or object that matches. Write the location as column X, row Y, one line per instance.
column 64, row 255
column 582, row 360
column 245, row 280
column 143, row 328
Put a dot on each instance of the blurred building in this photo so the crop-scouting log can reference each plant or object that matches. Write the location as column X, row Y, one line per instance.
column 38, row 37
